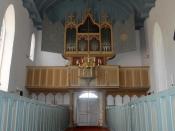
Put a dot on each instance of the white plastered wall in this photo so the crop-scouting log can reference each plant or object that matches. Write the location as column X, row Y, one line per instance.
column 23, row 30
column 163, row 14
column 132, row 58
column 44, row 58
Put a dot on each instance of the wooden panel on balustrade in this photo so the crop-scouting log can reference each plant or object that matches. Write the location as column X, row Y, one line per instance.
column 73, row 76
column 101, row 76
column 33, row 76
column 49, row 78
column 29, row 79
column 122, row 77
column 129, row 78
column 145, row 82
column 36, row 78
column 108, row 76
column 64, row 78
column 43, row 78
column 57, row 78
column 112, row 76
column 134, row 77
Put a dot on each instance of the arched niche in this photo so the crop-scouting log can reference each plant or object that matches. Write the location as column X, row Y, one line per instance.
column 134, row 97
column 59, row 99
column 50, row 99
column 126, row 99
column 118, row 100
column 42, row 97
column 110, row 100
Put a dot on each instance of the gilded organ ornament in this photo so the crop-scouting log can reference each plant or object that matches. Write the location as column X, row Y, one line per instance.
column 88, row 40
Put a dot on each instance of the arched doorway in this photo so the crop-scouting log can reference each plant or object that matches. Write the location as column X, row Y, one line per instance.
column 160, row 72
column 88, row 109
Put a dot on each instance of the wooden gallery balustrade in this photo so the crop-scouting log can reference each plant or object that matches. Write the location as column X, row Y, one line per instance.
column 108, row 77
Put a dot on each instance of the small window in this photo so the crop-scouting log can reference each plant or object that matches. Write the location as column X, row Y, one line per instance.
column 32, row 47
column 88, row 95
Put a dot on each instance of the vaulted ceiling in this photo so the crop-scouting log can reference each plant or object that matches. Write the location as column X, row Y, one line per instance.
column 118, row 10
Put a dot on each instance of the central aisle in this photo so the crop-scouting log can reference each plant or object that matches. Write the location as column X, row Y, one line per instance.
column 86, row 128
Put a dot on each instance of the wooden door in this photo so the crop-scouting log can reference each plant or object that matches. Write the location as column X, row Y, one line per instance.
column 87, row 111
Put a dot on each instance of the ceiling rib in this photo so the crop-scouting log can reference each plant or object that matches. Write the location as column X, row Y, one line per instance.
column 33, row 11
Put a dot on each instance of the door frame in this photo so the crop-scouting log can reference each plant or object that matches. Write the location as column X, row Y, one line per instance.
column 102, row 103
column 88, row 111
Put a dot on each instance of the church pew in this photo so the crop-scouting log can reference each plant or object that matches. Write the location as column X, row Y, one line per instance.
column 151, row 113
column 23, row 114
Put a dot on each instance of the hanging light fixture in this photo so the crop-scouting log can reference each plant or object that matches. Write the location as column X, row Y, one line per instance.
column 87, row 62
column 87, row 67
